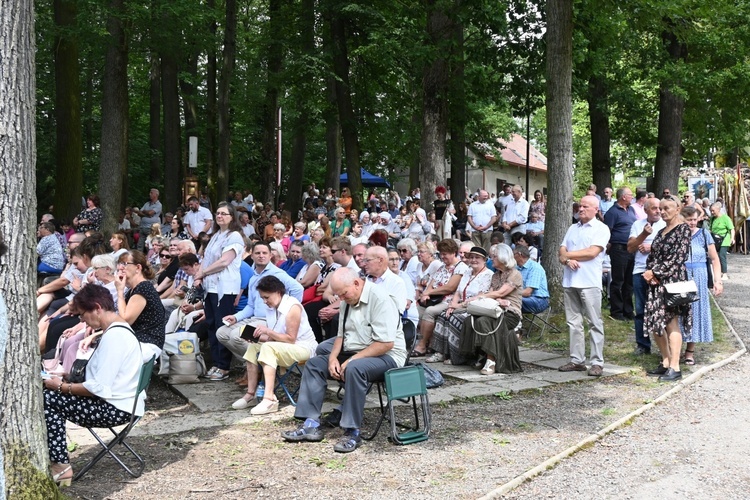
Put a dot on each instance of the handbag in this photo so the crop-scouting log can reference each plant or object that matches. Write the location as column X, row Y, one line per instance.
column 185, row 368
column 680, row 293
column 718, row 239
column 54, row 365
column 432, row 377
column 485, row 307
column 77, row 373
column 434, row 300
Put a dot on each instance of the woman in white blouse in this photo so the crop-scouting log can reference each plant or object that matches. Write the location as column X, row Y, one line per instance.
column 220, row 277
column 285, row 339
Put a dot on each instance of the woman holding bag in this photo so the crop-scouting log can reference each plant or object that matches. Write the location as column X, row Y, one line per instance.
column 496, row 338
column 670, row 250
column 703, row 254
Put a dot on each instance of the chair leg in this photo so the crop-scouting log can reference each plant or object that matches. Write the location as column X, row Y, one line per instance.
column 108, row 449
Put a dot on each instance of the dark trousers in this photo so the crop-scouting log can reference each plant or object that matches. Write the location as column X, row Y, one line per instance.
column 640, row 287
column 216, row 310
column 621, row 288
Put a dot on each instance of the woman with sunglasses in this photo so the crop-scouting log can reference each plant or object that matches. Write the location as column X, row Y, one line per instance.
column 220, row 276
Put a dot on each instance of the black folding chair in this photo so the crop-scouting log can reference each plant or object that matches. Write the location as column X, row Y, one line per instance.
column 119, row 437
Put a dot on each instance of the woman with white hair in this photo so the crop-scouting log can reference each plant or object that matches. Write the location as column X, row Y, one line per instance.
column 366, row 221
column 407, row 249
column 310, row 275
column 340, row 226
column 496, row 338
column 278, row 255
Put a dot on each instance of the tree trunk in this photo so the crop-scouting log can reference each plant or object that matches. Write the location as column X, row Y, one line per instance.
column 416, row 119
column 23, row 447
column 211, row 112
column 559, row 135
column 154, row 118
column 601, row 164
column 458, row 117
column 189, row 108
column 435, row 84
column 69, row 171
column 301, row 122
column 669, row 139
column 333, row 137
column 172, row 142
column 225, row 80
column 346, row 110
column 113, row 165
column 270, row 108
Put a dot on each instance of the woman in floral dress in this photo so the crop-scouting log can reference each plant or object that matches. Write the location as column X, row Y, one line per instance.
column 670, row 250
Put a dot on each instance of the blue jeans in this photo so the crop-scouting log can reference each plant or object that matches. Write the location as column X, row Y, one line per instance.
column 534, row 305
column 640, row 289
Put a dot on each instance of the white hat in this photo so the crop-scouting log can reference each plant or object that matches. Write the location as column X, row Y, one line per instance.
column 385, row 215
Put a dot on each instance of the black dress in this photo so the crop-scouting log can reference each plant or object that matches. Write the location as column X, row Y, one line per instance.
column 149, row 325
column 669, row 252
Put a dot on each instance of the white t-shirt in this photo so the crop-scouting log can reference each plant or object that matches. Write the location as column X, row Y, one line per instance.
column 197, row 220
column 579, row 237
column 276, row 321
column 481, row 214
column 636, row 229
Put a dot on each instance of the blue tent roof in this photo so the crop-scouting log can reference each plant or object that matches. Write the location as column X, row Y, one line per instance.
column 368, row 180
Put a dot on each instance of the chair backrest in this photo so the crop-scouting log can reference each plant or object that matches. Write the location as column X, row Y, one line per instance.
column 405, row 382
column 145, row 378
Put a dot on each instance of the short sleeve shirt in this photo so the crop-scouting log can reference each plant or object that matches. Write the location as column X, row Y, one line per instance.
column 581, row 236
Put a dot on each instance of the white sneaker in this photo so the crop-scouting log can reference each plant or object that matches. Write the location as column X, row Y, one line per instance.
column 209, row 372
column 489, row 368
column 725, row 276
column 435, row 357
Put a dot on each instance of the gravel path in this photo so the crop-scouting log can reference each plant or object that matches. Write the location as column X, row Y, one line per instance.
column 695, row 444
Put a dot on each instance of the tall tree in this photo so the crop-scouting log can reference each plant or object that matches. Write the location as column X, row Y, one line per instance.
column 69, row 175
column 559, row 75
column 23, row 449
column 333, row 136
column 458, row 115
column 228, row 58
column 346, row 108
column 435, row 84
column 211, row 111
column 154, row 117
column 601, row 165
column 170, row 50
column 671, row 107
column 275, row 55
column 113, row 165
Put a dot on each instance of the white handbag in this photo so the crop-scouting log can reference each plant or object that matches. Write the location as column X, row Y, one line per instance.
column 485, row 307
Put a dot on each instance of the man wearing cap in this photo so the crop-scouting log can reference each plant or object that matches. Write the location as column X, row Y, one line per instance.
column 481, row 217
column 582, row 253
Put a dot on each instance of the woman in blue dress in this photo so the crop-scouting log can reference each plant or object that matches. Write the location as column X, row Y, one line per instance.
column 703, row 249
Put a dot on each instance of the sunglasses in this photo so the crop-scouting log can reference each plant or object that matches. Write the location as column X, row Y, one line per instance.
column 165, row 256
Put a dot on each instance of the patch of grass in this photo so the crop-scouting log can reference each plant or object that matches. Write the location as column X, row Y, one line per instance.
column 525, row 426
column 504, row 395
column 608, row 412
column 336, row 464
column 500, row 440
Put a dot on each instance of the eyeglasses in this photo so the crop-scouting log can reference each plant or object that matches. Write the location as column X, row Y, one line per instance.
column 102, row 267
column 334, row 250
column 402, row 250
column 222, row 213
column 165, row 256
column 127, row 264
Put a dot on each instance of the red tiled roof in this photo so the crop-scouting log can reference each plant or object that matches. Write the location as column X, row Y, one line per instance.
column 513, row 153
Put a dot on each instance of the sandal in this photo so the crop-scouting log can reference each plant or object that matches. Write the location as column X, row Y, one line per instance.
column 688, row 361
column 63, row 481
column 244, row 403
column 489, row 368
column 348, row 443
column 266, row 406
column 417, row 354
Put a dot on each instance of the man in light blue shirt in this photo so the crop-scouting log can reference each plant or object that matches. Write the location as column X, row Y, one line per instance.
column 254, row 312
column 535, row 296
column 606, row 202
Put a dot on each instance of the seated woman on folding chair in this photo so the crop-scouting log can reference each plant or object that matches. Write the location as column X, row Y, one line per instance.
column 106, row 397
column 286, row 338
column 497, row 341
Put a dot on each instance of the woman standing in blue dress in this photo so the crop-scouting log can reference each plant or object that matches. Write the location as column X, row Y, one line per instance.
column 703, row 250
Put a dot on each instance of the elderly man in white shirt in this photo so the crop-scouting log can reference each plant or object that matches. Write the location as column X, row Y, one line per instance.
column 482, row 215
column 515, row 214
column 582, row 253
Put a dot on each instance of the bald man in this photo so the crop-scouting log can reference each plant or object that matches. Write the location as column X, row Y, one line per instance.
column 582, row 254
column 370, row 341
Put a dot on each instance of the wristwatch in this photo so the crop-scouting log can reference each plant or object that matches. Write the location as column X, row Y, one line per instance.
column 566, row 261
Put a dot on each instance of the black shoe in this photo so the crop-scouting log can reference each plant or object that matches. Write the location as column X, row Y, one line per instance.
column 670, row 376
column 617, row 317
column 640, row 351
column 333, row 419
column 659, row 370
column 348, row 442
column 629, row 317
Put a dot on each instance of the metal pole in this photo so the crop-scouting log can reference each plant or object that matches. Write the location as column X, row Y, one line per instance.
column 528, row 152
column 278, row 159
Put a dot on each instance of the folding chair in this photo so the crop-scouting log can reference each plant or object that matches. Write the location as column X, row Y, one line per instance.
column 281, row 381
column 540, row 320
column 143, row 381
column 404, row 384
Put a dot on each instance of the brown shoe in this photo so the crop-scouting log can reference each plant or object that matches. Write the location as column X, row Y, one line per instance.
column 572, row 367
column 595, row 371
column 242, row 381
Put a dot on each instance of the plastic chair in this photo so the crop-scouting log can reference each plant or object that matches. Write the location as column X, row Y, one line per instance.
column 404, row 384
column 119, row 437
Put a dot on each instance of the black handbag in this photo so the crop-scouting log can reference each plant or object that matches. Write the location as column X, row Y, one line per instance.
column 434, row 300
column 680, row 293
column 77, row 373
column 709, row 269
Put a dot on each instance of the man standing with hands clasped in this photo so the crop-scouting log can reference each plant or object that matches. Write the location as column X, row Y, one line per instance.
column 482, row 215
column 620, row 219
column 581, row 252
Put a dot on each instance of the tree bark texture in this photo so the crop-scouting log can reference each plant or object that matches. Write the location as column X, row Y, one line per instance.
column 154, row 118
column 333, row 137
column 69, row 171
column 23, row 447
column 113, row 166
column 270, row 108
column 189, row 107
column 601, row 164
column 346, row 109
column 436, row 80
column 301, row 121
column 669, row 138
column 559, row 134
column 458, row 117
column 211, row 111
column 172, row 131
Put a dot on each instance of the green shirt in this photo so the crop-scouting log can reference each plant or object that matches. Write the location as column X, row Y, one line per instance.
column 723, row 226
